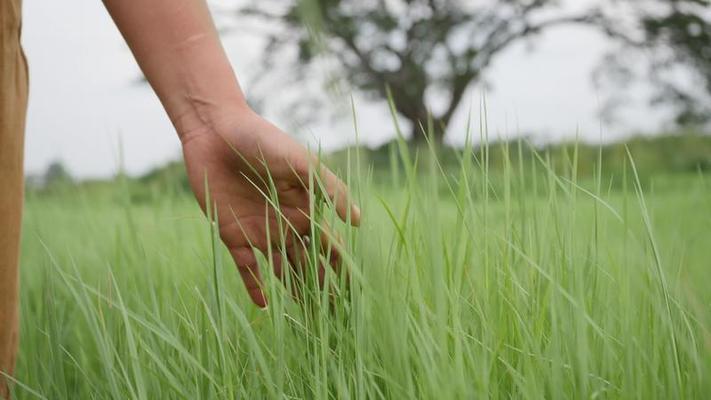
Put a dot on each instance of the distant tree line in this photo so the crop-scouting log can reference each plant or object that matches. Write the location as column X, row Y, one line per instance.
column 673, row 154
column 56, row 175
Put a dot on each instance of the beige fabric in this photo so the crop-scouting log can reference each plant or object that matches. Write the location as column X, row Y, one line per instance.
column 13, row 105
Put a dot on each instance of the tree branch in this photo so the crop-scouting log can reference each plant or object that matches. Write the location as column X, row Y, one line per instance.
column 487, row 52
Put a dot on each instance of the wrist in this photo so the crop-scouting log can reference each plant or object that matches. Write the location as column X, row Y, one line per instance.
column 199, row 117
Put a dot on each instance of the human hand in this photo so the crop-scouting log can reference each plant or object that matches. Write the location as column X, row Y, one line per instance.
column 238, row 156
column 178, row 49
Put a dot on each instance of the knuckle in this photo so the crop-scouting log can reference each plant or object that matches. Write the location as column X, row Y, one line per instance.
column 243, row 256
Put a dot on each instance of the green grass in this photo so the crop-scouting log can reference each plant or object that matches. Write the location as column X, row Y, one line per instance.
column 524, row 283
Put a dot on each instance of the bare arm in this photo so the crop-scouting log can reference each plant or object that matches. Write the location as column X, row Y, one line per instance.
column 177, row 47
column 179, row 51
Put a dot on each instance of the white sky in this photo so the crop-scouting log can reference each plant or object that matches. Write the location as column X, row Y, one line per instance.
column 85, row 105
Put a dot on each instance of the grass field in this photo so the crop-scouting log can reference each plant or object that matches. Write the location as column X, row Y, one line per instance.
column 520, row 283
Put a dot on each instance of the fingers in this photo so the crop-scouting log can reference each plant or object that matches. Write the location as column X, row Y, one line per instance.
column 329, row 255
column 338, row 193
column 285, row 271
column 330, row 241
column 298, row 261
column 335, row 189
column 299, row 264
column 283, row 231
column 278, row 266
column 249, row 271
column 298, row 251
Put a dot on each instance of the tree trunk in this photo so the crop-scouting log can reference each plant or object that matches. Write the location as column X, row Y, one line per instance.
column 423, row 123
column 435, row 133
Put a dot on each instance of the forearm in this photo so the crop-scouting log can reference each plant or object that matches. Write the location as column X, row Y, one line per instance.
column 177, row 47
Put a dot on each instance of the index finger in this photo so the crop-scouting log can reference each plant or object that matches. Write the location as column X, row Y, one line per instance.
column 338, row 192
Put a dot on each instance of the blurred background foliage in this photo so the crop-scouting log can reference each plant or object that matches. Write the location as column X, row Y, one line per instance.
column 425, row 54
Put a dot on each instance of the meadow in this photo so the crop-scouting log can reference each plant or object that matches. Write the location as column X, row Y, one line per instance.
column 526, row 281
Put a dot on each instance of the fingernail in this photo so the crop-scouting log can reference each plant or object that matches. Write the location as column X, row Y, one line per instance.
column 356, row 213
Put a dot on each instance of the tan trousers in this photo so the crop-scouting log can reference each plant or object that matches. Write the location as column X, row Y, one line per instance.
column 13, row 106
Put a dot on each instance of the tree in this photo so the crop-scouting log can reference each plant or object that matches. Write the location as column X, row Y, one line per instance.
column 415, row 51
column 673, row 38
column 56, row 174
column 409, row 50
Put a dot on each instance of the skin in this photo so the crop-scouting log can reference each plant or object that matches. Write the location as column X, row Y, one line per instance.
column 225, row 143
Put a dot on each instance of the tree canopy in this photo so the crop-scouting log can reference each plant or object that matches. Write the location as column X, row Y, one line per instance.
column 673, row 39
column 414, row 51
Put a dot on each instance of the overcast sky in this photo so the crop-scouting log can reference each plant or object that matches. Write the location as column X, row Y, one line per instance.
column 85, row 105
